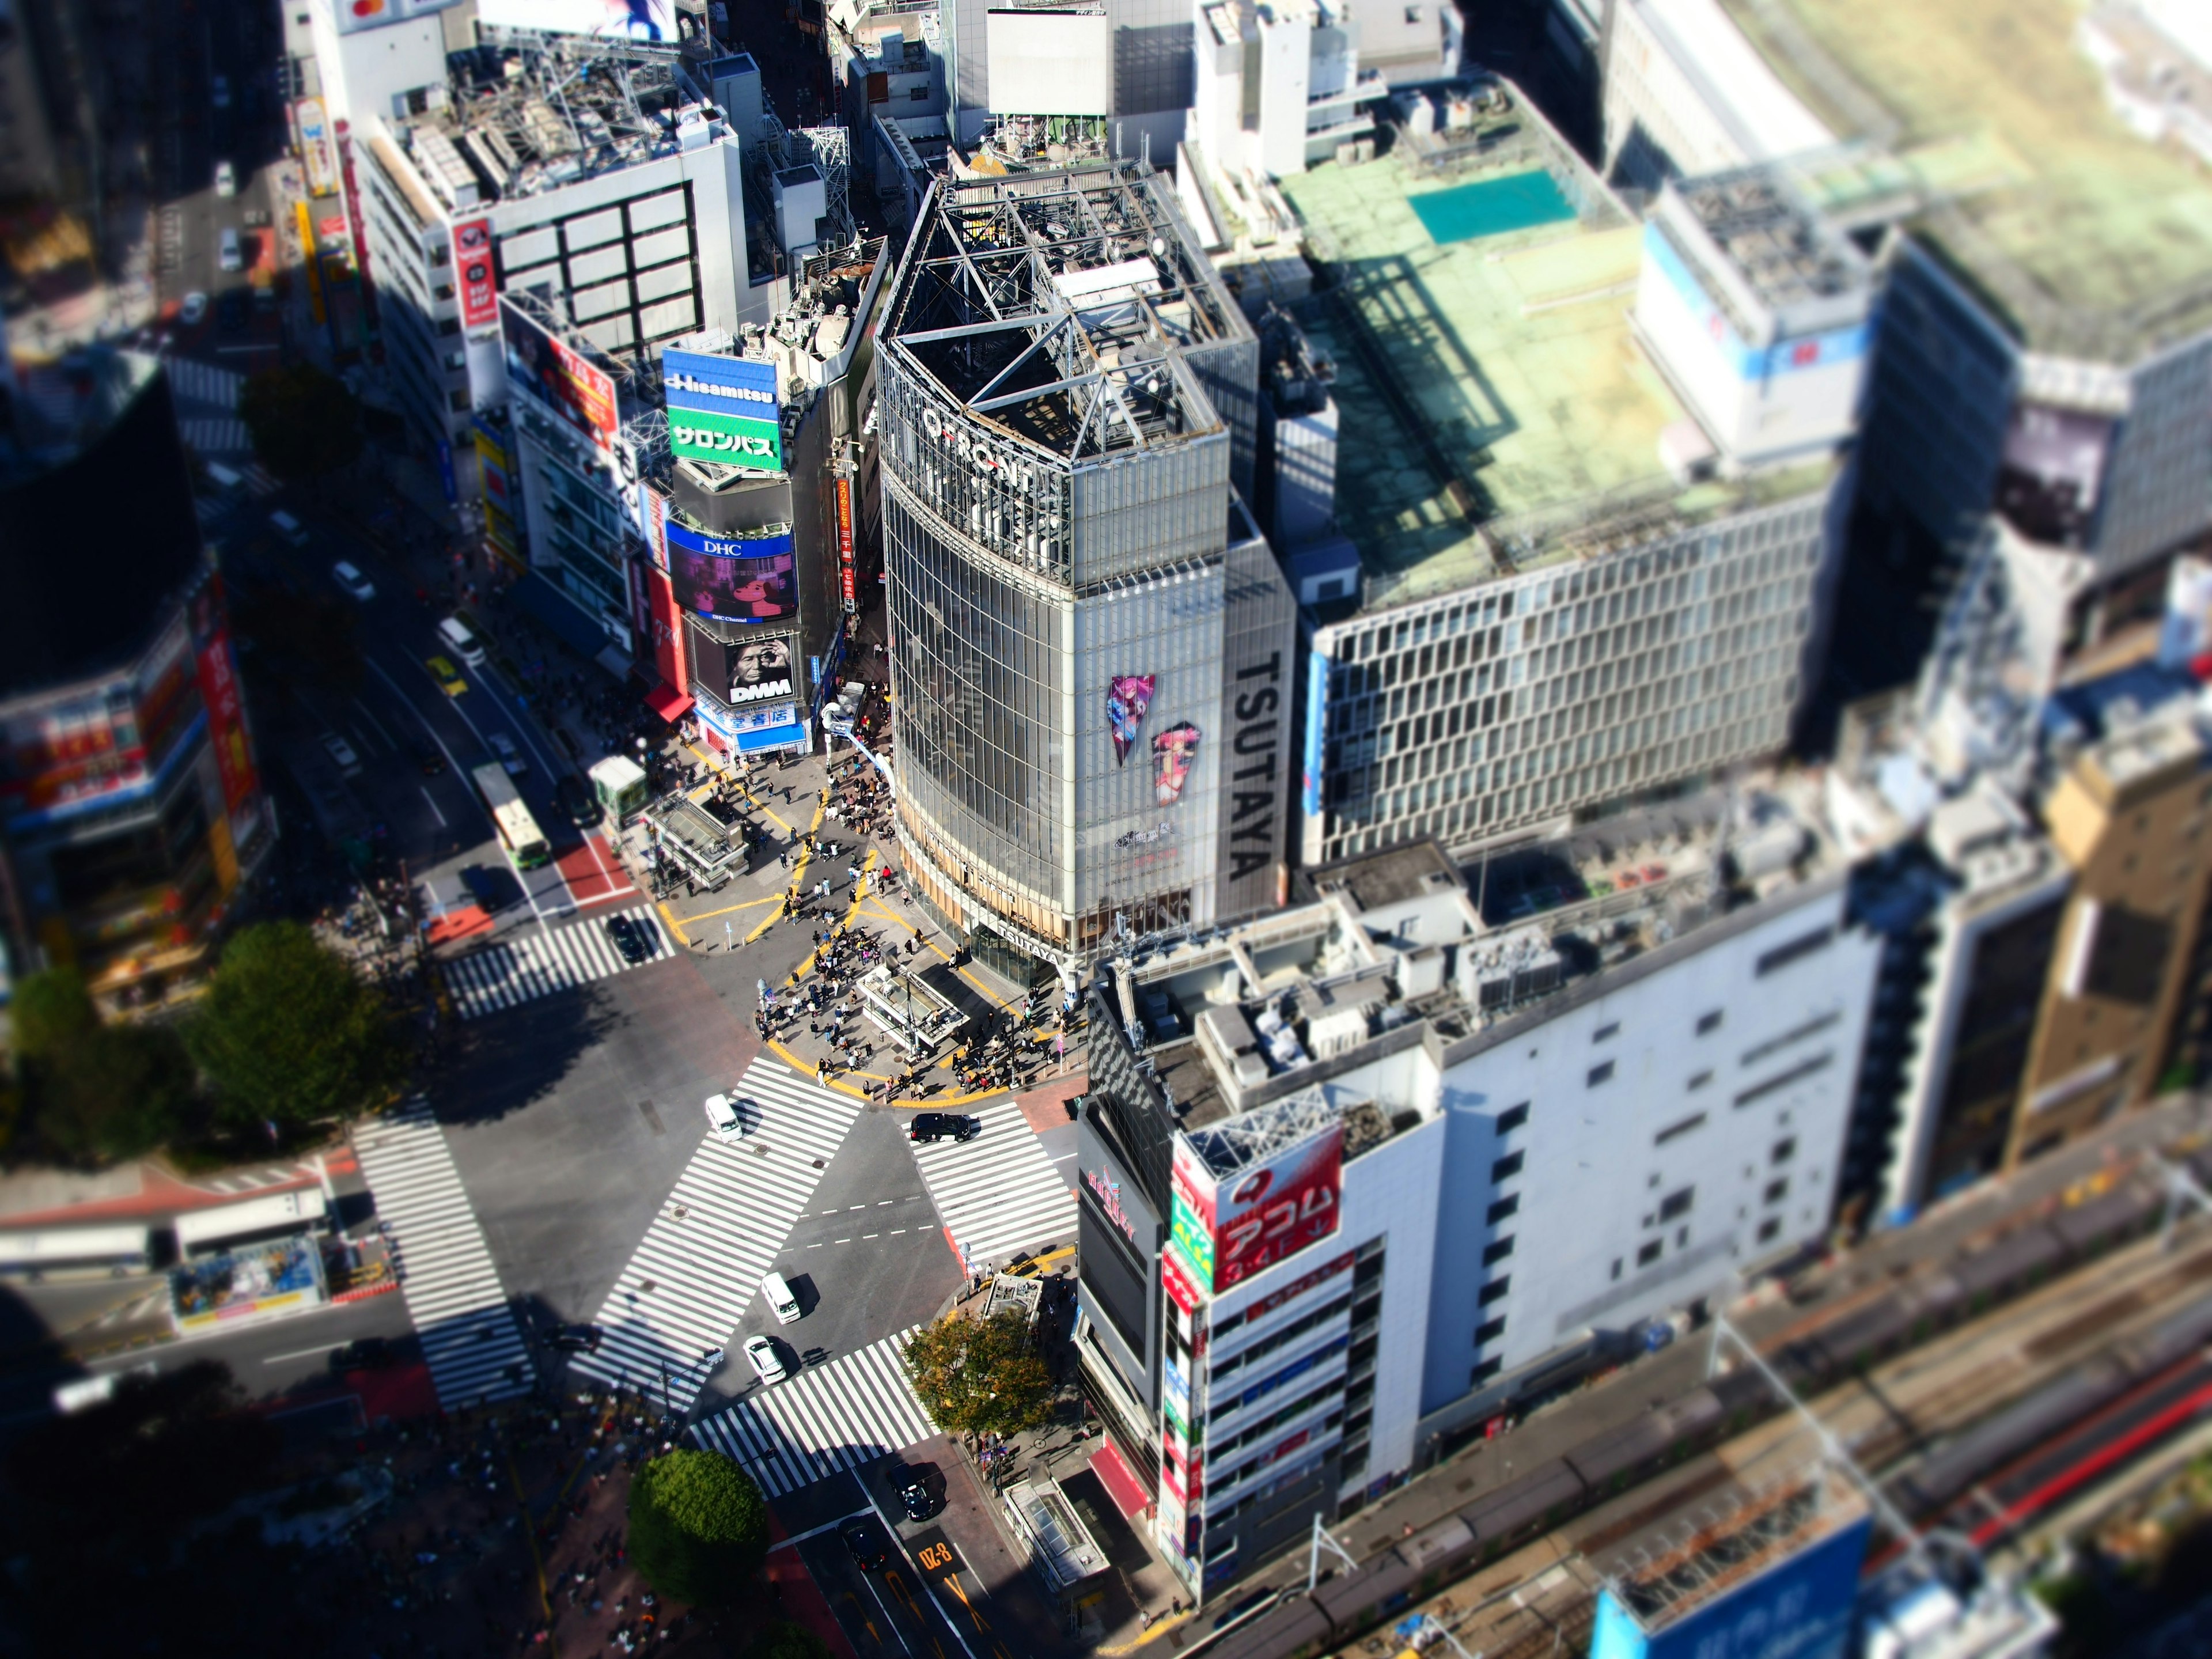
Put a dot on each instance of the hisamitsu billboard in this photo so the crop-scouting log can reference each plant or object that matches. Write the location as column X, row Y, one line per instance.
column 722, row 409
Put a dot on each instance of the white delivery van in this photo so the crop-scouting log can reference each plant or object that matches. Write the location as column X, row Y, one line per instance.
column 465, row 645
column 780, row 1298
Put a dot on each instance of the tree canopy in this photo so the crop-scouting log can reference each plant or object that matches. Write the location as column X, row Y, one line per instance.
column 92, row 1091
column 288, row 1034
column 698, row 1526
column 304, row 424
column 981, row 1376
column 786, row 1640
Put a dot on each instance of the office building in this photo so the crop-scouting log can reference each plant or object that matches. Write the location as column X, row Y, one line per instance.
column 1092, row 644
column 754, row 571
column 2046, row 331
column 1278, row 86
column 131, row 813
column 1596, row 541
column 1358, row 1176
column 609, row 181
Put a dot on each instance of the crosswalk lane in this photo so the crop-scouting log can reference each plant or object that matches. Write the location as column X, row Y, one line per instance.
column 701, row 1262
column 195, row 382
column 469, row 1339
column 534, row 964
column 832, row 1417
column 998, row 1194
column 222, row 434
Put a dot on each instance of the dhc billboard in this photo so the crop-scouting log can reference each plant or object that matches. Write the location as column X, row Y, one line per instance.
column 1799, row 1608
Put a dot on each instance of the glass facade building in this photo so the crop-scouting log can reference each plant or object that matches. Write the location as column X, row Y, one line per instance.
column 1091, row 639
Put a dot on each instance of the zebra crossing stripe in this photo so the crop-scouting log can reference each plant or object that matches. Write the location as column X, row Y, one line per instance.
column 701, row 1262
column 530, row 965
column 215, row 436
column 197, row 382
column 998, row 1194
column 826, row 1418
column 469, row 1339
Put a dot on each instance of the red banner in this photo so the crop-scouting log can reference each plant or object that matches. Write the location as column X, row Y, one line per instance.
column 225, row 707
column 845, row 535
column 472, row 273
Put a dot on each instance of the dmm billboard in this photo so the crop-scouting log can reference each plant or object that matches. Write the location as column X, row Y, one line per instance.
column 1230, row 1227
column 573, row 388
column 721, row 408
column 732, row 580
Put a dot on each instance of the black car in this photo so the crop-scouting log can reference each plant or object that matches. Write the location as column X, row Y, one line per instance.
column 574, row 1339
column 430, row 758
column 938, row 1125
column 363, row 1353
column 577, row 801
column 629, row 939
column 913, row 1492
column 866, row 1539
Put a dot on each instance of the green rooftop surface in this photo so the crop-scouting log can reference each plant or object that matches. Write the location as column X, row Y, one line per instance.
column 1513, row 351
column 2088, row 240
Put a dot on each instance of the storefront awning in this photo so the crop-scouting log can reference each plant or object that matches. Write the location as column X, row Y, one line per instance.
column 665, row 700
column 1115, row 1475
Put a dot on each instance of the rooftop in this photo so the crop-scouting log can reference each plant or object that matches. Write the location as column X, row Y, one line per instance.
column 2084, row 239
column 1497, row 409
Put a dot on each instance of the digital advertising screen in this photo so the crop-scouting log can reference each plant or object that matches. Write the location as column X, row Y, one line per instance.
column 748, row 580
column 578, row 390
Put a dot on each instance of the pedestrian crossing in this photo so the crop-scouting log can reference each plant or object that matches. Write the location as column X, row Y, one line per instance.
column 701, row 1262
column 215, row 435
column 195, row 382
column 469, row 1339
column 826, row 1418
column 997, row 1195
column 534, row 964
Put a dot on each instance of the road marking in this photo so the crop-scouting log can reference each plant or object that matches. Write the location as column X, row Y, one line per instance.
column 298, row 1353
column 816, row 1532
column 435, row 812
column 378, row 724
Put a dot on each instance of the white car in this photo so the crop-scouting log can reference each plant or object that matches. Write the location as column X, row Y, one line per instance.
column 768, row 1365
column 342, row 752
column 503, row 747
column 348, row 576
column 229, row 254
column 722, row 1118
column 194, row 309
column 226, row 181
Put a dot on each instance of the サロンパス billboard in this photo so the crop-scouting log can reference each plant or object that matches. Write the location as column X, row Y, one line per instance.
column 721, row 408
column 1230, row 1227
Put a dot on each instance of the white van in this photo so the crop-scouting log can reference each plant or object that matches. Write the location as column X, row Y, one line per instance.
column 780, row 1298
column 456, row 634
column 223, row 477
column 290, row 528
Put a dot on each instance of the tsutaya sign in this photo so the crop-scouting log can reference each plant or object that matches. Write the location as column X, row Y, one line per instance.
column 722, row 409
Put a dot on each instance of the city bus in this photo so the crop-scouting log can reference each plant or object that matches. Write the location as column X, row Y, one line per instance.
column 518, row 831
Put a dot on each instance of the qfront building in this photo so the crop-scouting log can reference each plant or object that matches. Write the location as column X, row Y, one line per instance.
column 1092, row 657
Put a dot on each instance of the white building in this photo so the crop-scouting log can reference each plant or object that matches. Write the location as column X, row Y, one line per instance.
column 1421, row 1151
column 1278, row 85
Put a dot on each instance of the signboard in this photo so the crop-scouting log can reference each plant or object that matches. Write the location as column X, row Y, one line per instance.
column 319, row 156
column 1108, row 1193
column 1229, row 1229
column 246, row 1285
column 575, row 388
column 473, row 277
column 845, row 540
column 653, row 514
column 1800, row 1608
column 664, row 627
column 749, row 580
column 613, row 19
column 225, row 707
column 722, row 409
column 1297, row 1287
column 352, row 16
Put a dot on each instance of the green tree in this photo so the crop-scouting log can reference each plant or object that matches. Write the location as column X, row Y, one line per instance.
column 786, row 1640
column 288, row 1034
column 698, row 1526
column 96, row 1092
column 981, row 1376
column 304, row 424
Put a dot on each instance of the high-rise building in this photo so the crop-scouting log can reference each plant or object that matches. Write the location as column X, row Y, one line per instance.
column 130, row 808
column 2045, row 336
column 1092, row 643
column 1589, row 546
column 1356, row 1177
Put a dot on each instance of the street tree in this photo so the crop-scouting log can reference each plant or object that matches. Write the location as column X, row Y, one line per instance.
column 698, row 1526
column 95, row 1091
column 978, row 1377
column 289, row 1035
column 786, row 1640
column 304, row 424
